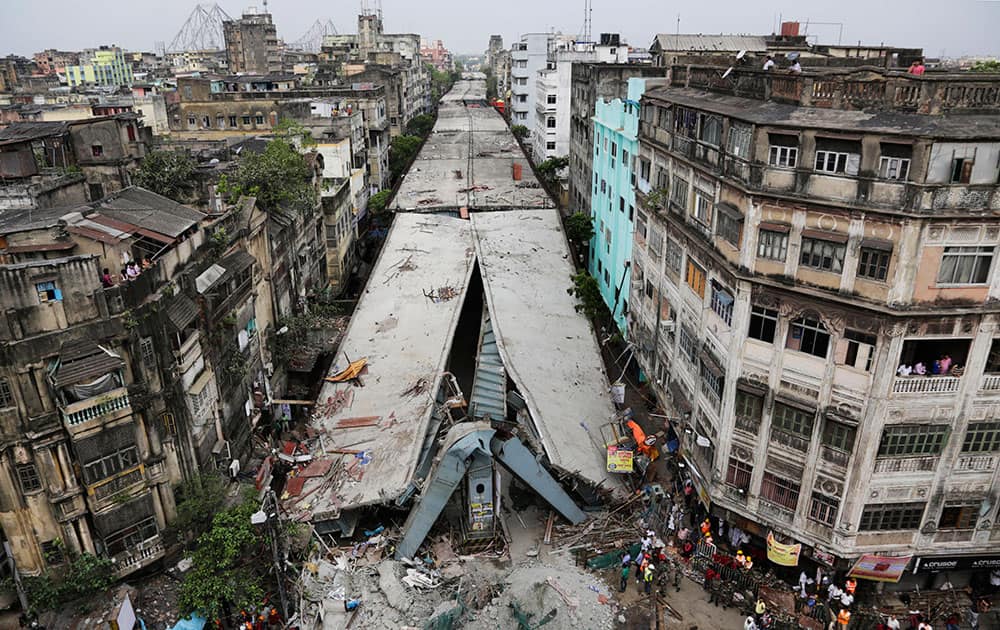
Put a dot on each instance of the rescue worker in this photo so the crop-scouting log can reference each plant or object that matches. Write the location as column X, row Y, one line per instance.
column 759, row 609
column 843, row 618
column 850, row 585
column 624, row 576
column 678, row 572
column 647, row 577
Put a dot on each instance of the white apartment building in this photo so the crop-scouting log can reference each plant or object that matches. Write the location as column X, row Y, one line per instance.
column 551, row 127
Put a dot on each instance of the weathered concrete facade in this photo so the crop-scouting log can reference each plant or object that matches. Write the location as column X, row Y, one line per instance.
column 798, row 238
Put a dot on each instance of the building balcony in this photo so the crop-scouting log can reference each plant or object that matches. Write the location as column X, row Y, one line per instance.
column 976, row 463
column 835, row 457
column 106, row 406
column 792, row 441
column 145, row 553
column 776, row 512
column 119, row 483
column 850, row 88
column 906, row 464
column 748, row 425
column 926, row 384
column 990, row 383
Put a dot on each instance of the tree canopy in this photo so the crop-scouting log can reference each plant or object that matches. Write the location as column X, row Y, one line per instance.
column 519, row 131
column 402, row 150
column 279, row 178
column 167, row 173
column 580, row 227
column 378, row 201
column 227, row 567
column 420, row 125
column 588, row 292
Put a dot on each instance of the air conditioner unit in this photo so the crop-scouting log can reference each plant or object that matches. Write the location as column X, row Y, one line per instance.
column 668, row 326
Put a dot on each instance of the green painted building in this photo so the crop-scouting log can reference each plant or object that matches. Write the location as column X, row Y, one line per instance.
column 103, row 66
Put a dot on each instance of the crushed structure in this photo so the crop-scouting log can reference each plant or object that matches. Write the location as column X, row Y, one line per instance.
column 465, row 351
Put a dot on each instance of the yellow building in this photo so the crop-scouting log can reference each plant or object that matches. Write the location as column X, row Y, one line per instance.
column 106, row 66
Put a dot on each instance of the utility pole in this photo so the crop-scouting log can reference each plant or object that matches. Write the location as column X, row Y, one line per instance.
column 268, row 516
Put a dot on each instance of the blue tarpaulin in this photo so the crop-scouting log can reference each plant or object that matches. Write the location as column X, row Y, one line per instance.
column 196, row 622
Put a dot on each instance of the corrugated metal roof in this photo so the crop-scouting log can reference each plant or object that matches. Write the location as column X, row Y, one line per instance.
column 489, row 389
column 83, row 361
column 182, row 311
column 711, row 43
column 26, row 131
column 146, row 209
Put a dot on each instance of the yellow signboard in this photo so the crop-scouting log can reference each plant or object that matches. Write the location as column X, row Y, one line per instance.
column 619, row 460
column 779, row 553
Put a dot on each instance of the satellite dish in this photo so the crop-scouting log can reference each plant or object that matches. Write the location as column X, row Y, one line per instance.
column 741, row 54
column 728, row 72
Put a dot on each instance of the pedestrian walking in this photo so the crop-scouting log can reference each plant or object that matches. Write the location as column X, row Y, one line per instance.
column 749, row 624
column 647, row 577
column 624, row 578
column 678, row 572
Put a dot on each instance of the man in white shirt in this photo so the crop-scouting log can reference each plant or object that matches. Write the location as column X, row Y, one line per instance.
column 833, row 592
column 769, row 63
column 846, row 599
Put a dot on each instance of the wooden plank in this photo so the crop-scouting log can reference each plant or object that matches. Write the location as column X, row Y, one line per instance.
column 292, row 401
column 360, row 421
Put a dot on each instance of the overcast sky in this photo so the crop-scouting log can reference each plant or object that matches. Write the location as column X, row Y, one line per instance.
column 952, row 28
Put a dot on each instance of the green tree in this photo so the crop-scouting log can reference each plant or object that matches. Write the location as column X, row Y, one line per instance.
column 85, row 576
column 401, row 152
column 378, row 202
column 420, row 125
column 588, row 293
column 278, row 178
column 200, row 498
column 167, row 173
column 225, row 566
column 294, row 132
column 550, row 168
column 987, row 65
column 580, row 227
column 657, row 198
column 519, row 131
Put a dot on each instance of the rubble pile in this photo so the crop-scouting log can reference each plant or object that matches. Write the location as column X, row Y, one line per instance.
column 532, row 591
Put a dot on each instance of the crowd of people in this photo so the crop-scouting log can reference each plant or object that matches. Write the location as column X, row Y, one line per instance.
column 129, row 272
column 944, row 365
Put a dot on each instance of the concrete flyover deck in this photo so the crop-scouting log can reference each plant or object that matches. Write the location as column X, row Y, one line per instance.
column 470, row 160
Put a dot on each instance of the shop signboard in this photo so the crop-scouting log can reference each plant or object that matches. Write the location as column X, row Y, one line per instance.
column 880, row 568
column 956, row 563
column 782, row 554
column 619, row 460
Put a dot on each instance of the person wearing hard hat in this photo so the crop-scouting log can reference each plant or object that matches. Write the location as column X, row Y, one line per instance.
column 647, row 577
column 759, row 609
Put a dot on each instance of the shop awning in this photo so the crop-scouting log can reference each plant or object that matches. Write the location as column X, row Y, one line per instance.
column 879, row 568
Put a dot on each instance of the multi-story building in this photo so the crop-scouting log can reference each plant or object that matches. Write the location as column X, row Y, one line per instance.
column 46, row 164
column 494, row 48
column 374, row 57
column 551, row 117
column 593, row 82
column 52, row 61
column 106, row 66
column 615, row 159
column 252, row 44
column 528, row 57
column 211, row 108
column 436, row 55
column 814, row 282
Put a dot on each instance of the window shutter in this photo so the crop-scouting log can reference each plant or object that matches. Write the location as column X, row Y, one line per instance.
column 853, row 163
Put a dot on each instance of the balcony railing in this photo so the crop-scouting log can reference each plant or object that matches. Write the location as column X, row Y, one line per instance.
column 835, row 457
column 975, row 463
column 777, row 512
column 117, row 484
column 926, row 384
column 144, row 552
column 790, row 440
column 906, row 464
column 93, row 408
column 991, row 383
column 683, row 145
column 853, row 88
column 748, row 424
